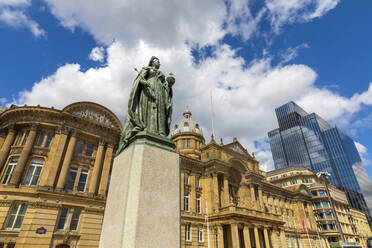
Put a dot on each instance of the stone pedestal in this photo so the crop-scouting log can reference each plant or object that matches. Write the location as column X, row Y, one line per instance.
column 143, row 205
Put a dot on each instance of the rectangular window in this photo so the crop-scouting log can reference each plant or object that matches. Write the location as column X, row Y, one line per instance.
column 186, row 178
column 71, row 177
column 15, row 216
column 49, row 139
column 24, row 139
column 197, row 182
column 75, row 219
column 10, row 169
column 34, row 171
column 62, row 219
column 90, row 149
column 198, row 204
column 79, row 147
column 200, row 234
column 188, row 232
column 41, row 139
column 70, row 215
column 82, row 179
column 186, row 201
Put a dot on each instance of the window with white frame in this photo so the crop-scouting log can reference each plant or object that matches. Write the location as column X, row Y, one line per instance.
column 20, row 140
column 82, row 179
column 188, row 232
column 15, row 216
column 9, row 170
column 77, row 178
column 68, row 217
column 34, row 171
column 186, row 202
column 200, row 234
column 197, row 181
column 186, row 179
column 198, row 204
column 44, row 140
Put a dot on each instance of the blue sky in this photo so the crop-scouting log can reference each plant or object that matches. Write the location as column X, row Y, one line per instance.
column 252, row 55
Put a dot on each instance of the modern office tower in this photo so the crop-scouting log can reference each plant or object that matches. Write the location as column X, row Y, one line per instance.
column 309, row 141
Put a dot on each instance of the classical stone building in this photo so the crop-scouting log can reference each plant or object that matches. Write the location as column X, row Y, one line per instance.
column 55, row 167
column 222, row 182
column 353, row 222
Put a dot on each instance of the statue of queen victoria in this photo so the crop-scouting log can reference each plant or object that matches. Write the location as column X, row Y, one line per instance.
column 150, row 104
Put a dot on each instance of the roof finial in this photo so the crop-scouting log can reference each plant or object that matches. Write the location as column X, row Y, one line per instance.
column 221, row 143
column 212, row 139
column 187, row 113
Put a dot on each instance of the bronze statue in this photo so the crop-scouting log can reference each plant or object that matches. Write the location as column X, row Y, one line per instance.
column 150, row 104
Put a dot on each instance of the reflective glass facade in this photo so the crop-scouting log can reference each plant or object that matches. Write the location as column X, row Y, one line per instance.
column 307, row 140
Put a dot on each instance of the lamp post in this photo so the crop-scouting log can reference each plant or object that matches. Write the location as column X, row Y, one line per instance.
column 324, row 176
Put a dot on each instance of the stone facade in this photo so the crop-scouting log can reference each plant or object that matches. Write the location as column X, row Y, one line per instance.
column 245, row 207
column 353, row 222
column 55, row 170
column 55, row 167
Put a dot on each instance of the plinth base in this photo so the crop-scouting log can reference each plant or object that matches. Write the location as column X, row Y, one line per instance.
column 143, row 205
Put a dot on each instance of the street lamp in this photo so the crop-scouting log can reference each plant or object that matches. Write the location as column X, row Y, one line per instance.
column 324, row 176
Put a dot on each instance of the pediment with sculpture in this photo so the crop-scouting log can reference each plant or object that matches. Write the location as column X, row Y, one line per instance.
column 94, row 112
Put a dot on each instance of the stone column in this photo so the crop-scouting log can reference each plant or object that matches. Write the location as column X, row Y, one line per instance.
column 192, row 200
column 247, row 237
column 66, row 162
column 260, row 197
column 215, row 192
column 226, row 194
column 257, row 237
column 220, row 236
column 5, row 148
column 182, row 180
column 2, row 139
column 253, row 196
column 266, row 235
column 283, row 241
column 274, row 240
column 235, row 236
column 106, row 170
column 312, row 217
column 18, row 171
column 50, row 169
column 96, row 168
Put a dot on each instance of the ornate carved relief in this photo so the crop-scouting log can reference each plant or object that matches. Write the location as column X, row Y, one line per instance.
column 42, row 205
column 81, row 159
column 16, row 149
column 95, row 116
column 42, row 151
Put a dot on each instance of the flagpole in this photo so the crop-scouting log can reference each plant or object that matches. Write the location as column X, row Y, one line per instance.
column 206, row 218
column 212, row 115
column 304, row 227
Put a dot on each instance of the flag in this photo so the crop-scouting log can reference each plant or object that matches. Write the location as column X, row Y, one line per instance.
column 303, row 225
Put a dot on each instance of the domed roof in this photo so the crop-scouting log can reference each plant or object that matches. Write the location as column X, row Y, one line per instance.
column 187, row 125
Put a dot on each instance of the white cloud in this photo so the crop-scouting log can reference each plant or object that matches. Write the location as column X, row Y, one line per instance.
column 14, row 3
column 363, row 152
column 162, row 23
column 244, row 96
column 12, row 13
column 289, row 11
column 97, row 54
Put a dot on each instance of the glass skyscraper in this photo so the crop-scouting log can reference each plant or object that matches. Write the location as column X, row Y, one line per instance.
column 307, row 140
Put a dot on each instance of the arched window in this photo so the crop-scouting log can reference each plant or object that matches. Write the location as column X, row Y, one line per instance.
column 34, row 170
